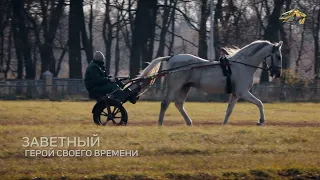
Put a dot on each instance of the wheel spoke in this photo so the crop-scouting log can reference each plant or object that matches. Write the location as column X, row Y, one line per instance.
column 108, row 108
column 115, row 113
column 114, row 109
column 103, row 120
column 114, row 122
column 104, row 113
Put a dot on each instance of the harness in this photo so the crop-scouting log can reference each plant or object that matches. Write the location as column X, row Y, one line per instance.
column 224, row 64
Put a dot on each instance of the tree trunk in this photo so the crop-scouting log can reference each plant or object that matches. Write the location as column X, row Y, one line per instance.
column 316, row 47
column 173, row 20
column 75, row 69
column 1, row 53
column 48, row 61
column 8, row 56
column 107, row 36
column 127, row 31
column 117, row 48
column 272, row 31
column 217, row 16
column 35, row 55
column 18, row 49
column 203, row 47
column 3, row 14
column 131, row 21
column 151, row 35
column 164, row 29
column 90, row 26
column 300, row 48
column 86, row 41
column 22, row 33
column 286, row 46
column 172, row 40
column 60, row 61
column 141, row 33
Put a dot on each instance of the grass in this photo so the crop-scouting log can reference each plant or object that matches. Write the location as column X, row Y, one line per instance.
column 288, row 146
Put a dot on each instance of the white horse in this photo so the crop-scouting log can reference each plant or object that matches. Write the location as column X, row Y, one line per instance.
column 244, row 62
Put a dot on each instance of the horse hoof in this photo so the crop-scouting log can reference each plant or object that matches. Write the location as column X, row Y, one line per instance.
column 259, row 124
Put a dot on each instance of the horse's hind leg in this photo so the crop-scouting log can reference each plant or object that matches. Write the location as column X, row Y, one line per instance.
column 170, row 96
column 164, row 106
column 179, row 103
column 232, row 101
column 251, row 98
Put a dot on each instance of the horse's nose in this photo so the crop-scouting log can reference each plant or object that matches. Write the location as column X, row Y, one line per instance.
column 275, row 73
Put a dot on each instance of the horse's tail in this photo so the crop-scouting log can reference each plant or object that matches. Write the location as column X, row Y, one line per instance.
column 153, row 67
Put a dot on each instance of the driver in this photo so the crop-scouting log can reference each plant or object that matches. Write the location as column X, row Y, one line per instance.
column 98, row 84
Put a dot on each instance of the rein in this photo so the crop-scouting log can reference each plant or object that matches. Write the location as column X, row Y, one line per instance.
column 264, row 62
column 185, row 67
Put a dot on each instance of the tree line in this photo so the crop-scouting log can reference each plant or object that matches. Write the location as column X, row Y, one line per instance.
column 43, row 35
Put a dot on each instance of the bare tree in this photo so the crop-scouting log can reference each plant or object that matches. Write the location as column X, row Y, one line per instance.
column 300, row 48
column 9, row 52
column 143, row 30
column 203, row 47
column 316, row 30
column 86, row 41
column 75, row 68
column 117, row 46
column 107, row 35
column 217, row 16
column 48, row 25
column 21, row 33
column 4, row 6
column 272, row 30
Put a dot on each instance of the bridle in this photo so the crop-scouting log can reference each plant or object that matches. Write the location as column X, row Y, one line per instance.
column 272, row 66
column 274, row 48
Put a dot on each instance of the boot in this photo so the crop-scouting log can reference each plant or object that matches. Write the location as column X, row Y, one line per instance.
column 121, row 96
column 133, row 94
column 133, row 98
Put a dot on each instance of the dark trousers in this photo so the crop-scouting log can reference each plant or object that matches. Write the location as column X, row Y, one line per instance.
column 100, row 91
column 104, row 89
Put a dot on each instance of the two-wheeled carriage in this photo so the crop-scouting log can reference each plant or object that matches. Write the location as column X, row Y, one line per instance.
column 110, row 107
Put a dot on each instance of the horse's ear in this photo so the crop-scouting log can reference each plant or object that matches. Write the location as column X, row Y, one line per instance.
column 279, row 45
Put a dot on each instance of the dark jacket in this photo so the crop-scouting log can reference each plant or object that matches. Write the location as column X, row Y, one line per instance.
column 95, row 75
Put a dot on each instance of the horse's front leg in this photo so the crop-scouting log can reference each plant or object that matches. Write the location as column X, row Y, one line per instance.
column 251, row 98
column 232, row 102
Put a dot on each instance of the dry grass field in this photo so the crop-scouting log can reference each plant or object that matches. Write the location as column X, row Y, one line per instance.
column 287, row 147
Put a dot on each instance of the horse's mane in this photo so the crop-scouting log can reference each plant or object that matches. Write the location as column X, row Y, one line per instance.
column 234, row 50
column 230, row 51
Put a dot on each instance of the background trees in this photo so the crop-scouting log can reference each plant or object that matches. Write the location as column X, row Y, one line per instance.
column 61, row 35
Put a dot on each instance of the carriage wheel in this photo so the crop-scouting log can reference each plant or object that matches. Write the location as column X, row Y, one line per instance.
column 113, row 113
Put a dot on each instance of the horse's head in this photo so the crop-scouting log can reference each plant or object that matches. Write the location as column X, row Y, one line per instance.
column 274, row 60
